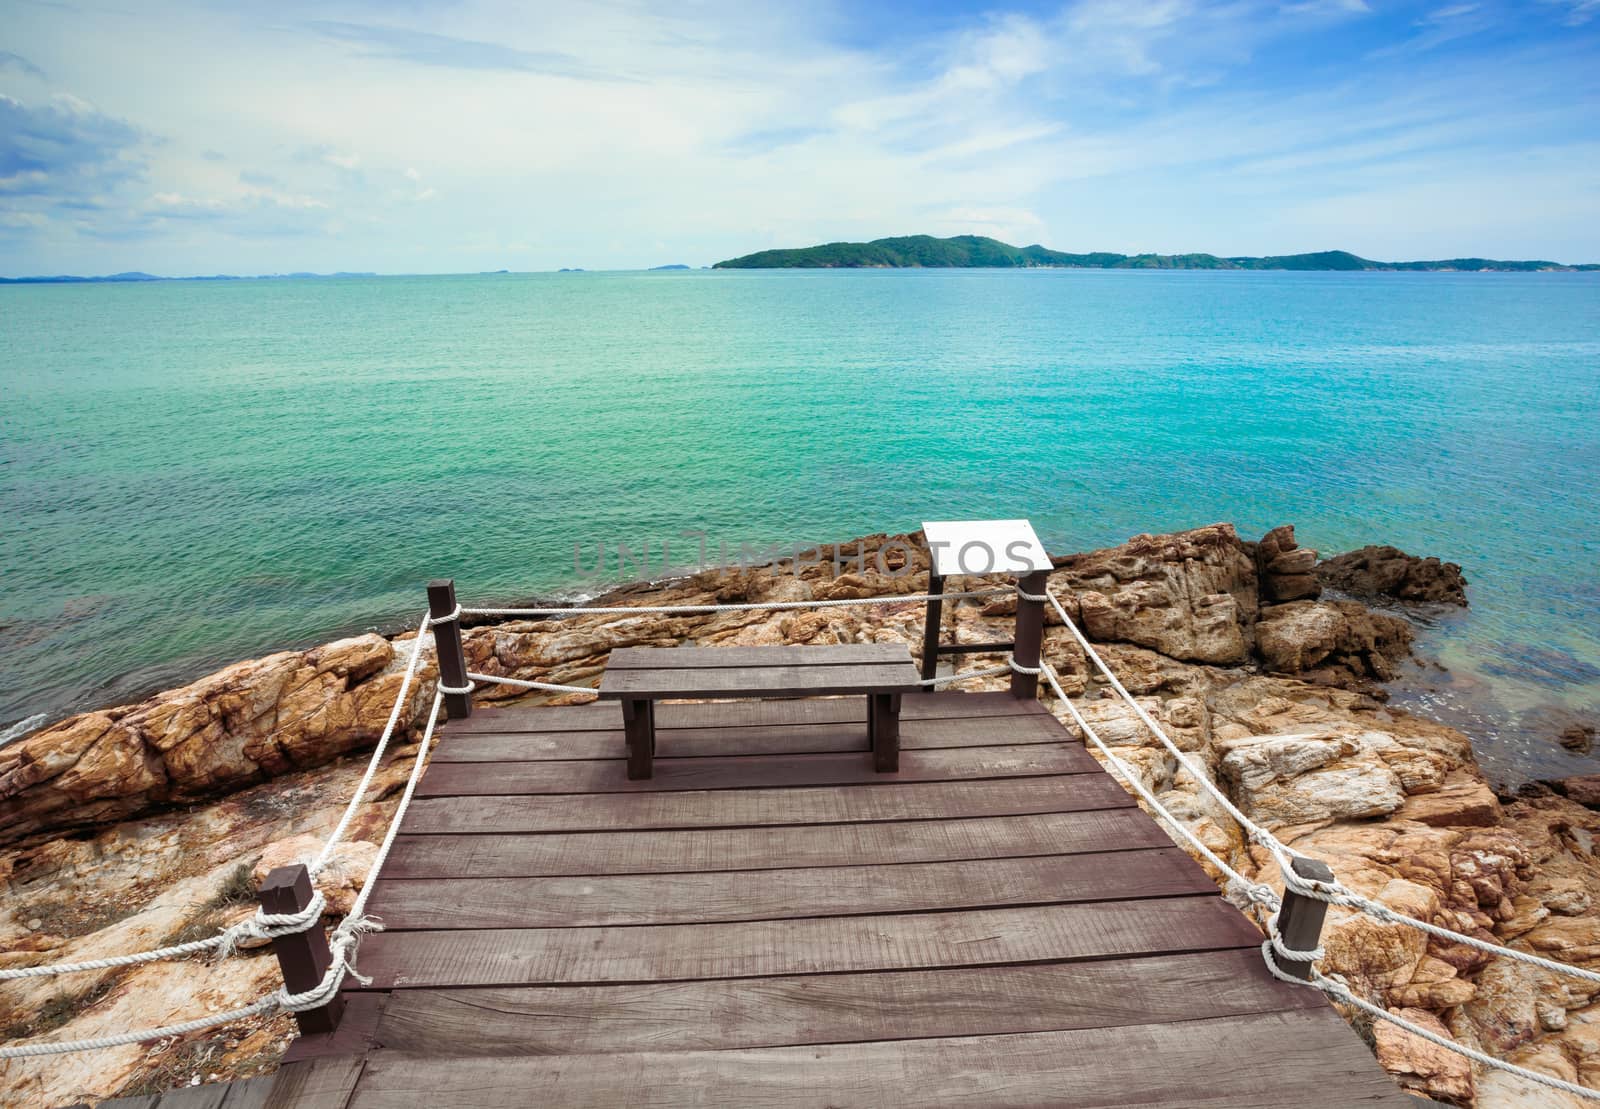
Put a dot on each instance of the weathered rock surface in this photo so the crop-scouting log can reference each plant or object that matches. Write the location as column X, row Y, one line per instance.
column 1332, row 641
column 1288, row 571
column 1379, row 572
column 1394, row 802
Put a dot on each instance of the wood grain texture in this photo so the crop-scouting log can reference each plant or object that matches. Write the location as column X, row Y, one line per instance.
column 594, row 776
column 764, row 807
column 723, row 742
column 813, row 945
column 658, row 852
column 760, row 681
column 1312, row 1060
column 722, row 658
column 605, row 715
column 689, row 898
column 834, row 1008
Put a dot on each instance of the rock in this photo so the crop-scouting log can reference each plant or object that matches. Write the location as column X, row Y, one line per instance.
column 1466, row 802
column 1582, row 788
column 1287, row 571
column 1192, row 595
column 340, row 881
column 1419, row 1065
column 1380, row 956
column 1343, row 791
column 1340, row 636
column 1377, row 572
column 1254, row 762
column 245, row 723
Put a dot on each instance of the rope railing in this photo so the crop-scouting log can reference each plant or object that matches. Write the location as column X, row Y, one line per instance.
column 342, row 944
column 1333, row 892
column 262, row 925
column 742, row 606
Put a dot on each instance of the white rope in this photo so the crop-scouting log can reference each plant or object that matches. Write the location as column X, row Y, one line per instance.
column 140, row 1035
column 343, row 826
column 522, row 683
column 1256, row 892
column 1335, row 892
column 341, row 943
column 752, row 606
column 461, row 690
column 435, row 621
column 261, row 926
column 965, row 676
column 1274, row 945
column 1337, row 989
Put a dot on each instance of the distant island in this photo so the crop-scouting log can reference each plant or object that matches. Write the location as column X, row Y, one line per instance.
column 916, row 251
column 674, row 266
column 135, row 275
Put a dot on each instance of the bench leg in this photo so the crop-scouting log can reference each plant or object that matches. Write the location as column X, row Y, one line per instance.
column 639, row 724
column 883, row 724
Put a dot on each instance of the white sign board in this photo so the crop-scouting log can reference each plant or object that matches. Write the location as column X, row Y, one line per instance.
column 984, row 547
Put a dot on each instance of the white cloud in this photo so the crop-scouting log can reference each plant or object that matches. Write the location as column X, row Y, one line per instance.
column 550, row 135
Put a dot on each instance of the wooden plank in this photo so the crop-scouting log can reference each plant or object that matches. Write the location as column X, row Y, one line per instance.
column 661, row 852
column 324, row 1083
column 689, row 898
column 834, row 1008
column 761, row 681
column 1303, row 1057
column 606, row 716
column 687, row 658
column 779, row 739
column 850, row 768
column 813, row 945
column 764, row 807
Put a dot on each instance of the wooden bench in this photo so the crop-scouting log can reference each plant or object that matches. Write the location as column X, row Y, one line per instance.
column 641, row 676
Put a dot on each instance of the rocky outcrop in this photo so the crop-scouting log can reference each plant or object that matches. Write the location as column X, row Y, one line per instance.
column 1377, row 573
column 1335, row 642
column 1191, row 596
column 251, row 721
column 1287, row 571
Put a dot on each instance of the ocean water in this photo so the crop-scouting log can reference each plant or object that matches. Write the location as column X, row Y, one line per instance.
column 193, row 473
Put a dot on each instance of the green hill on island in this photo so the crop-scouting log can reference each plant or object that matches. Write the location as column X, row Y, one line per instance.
column 925, row 251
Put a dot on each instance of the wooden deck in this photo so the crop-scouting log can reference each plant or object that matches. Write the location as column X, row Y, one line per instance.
column 769, row 922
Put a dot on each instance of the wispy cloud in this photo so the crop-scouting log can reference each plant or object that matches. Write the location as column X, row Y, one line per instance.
column 482, row 133
column 424, row 48
column 19, row 64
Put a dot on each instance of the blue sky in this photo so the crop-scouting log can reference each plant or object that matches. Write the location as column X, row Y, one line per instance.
column 438, row 136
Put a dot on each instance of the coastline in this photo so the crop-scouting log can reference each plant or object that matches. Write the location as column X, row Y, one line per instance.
column 126, row 819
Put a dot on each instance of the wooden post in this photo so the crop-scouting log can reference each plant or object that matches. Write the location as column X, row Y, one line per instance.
column 303, row 957
column 1300, row 918
column 883, row 726
column 447, row 640
column 1030, row 634
column 930, row 629
column 639, row 726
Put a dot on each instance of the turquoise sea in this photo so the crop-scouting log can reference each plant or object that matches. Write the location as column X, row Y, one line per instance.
column 193, row 473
